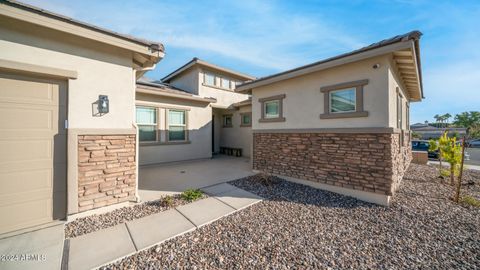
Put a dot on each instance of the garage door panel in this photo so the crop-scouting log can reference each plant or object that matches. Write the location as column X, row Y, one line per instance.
column 15, row 150
column 33, row 90
column 25, row 214
column 33, row 146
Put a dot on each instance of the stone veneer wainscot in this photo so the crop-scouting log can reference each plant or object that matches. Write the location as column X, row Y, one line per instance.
column 368, row 162
column 106, row 170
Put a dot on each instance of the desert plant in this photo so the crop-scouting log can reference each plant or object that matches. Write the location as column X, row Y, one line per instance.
column 265, row 179
column 459, row 180
column 167, row 201
column 191, row 195
column 452, row 153
column 470, row 201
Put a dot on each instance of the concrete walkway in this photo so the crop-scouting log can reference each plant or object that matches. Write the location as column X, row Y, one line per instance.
column 158, row 180
column 108, row 245
column 36, row 250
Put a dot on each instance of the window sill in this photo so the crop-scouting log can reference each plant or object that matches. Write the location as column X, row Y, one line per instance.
column 245, row 125
column 267, row 120
column 343, row 115
column 218, row 87
column 227, row 126
column 163, row 143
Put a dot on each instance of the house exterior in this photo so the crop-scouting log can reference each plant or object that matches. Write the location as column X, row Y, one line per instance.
column 340, row 124
column 78, row 119
column 192, row 113
column 427, row 132
column 61, row 152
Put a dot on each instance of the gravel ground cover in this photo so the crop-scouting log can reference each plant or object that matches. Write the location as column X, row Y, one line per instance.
column 96, row 222
column 300, row 227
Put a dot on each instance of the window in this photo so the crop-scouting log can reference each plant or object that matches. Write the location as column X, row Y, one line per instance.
column 343, row 100
column 209, row 79
column 246, row 119
column 225, row 83
column 147, row 123
column 272, row 109
column 177, row 126
column 227, row 120
column 399, row 110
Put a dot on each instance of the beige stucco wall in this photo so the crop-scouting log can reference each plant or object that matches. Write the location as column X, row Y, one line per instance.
column 188, row 80
column 304, row 101
column 394, row 82
column 102, row 70
column 237, row 136
column 199, row 118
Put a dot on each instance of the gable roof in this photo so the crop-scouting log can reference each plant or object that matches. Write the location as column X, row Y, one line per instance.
column 162, row 89
column 408, row 41
column 196, row 61
column 149, row 46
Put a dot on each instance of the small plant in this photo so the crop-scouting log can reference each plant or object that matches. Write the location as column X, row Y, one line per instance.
column 266, row 179
column 470, row 201
column 167, row 201
column 191, row 195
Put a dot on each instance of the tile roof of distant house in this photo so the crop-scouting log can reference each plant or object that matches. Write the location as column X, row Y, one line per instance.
column 156, row 46
column 197, row 61
column 413, row 35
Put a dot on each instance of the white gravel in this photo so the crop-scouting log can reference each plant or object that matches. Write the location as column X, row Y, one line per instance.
column 300, row 227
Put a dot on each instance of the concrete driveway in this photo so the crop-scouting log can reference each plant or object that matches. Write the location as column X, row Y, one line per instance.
column 173, row 178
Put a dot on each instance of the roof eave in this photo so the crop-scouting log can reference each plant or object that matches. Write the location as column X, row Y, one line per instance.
column 173, row 95
column 323, row 65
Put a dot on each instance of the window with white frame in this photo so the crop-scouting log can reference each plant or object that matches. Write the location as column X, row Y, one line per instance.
column 343, row 100
column 147, row 123
column 209, row 79
column 246, row 119
column 225, row 83
column 272, row 108
column 177, row 125
column 227, row 120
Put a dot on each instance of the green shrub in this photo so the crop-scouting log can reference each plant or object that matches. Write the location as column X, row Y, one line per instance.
column 470, row 201
column 167, row 201
column 191, row 195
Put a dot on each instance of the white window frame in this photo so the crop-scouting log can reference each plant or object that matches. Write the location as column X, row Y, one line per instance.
column 185, row 125
column 205, row 74
column 266, row 116
column 148, row 124
column 225, row 86
column 342, row 90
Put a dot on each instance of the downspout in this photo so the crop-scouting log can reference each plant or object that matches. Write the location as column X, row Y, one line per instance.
column 134, row 124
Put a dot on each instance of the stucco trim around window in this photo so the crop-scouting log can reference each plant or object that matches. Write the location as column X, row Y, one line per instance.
column 359, row 110
column 280, row 117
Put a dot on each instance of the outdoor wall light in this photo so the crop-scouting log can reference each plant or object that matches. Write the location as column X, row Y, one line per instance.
column 103, row 104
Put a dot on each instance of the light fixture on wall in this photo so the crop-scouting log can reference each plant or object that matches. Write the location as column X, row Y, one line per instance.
column 376, row 66
column 103, row 104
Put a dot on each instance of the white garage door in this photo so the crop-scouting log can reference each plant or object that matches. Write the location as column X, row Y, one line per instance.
column 32, row 151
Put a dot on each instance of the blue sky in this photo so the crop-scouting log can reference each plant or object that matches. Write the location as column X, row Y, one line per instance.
column 265, row 37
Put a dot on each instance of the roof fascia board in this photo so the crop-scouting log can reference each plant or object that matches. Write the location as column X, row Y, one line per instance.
column 329, row 64
column 172, row 95
column 52, row 23
column 179, row 71
column 417, row 68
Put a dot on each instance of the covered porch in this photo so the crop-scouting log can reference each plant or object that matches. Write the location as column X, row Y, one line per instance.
column 159, row 180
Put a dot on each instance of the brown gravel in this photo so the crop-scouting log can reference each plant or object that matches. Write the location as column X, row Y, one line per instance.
column 94, row 223
column 300, row 227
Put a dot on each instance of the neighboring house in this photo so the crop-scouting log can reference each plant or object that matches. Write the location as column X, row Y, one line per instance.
column 340, row 124
column 430, row 132
column 54, row 69
column 192, row 113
